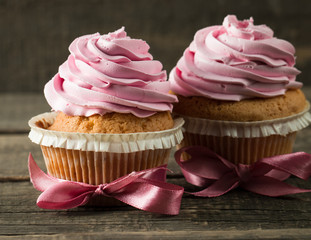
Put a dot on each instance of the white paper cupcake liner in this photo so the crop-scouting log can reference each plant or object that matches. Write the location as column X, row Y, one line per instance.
column 242, row 150
column 99, row 167
column 245, row 142
column 100, row 142
column 280, row 126
column 101, row 158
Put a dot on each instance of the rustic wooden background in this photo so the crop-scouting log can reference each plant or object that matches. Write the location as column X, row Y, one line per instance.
column 35, row 34
column 34, row 40
column 237, row 215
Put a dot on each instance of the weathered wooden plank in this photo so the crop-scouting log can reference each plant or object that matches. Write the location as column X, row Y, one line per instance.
column 235, row 211
column 31, row 55
column 14, row 150
column 240, row 214
column 16, row 109
column 278, row 234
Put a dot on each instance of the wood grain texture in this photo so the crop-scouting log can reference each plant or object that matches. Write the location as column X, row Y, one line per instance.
column 14, row 150
column 17, row 108
column 236, row 215
column 277, row 234
column 236, row 211
column 289, row 234
column 36, row 34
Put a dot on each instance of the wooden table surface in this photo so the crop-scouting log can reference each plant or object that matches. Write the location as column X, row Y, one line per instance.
column 236, row 215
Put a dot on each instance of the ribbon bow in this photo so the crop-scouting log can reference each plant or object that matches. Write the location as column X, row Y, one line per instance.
column 145, row 190
column 206, row 168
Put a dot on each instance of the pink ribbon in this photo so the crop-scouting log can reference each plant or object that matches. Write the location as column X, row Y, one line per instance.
column 265, row 177
column 146, row 190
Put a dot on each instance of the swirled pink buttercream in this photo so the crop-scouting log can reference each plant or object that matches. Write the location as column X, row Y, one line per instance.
column 109, row 73
column 235, row 61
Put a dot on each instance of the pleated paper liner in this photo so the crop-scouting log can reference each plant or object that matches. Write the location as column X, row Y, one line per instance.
column 245, row 142
column 101, row 158
column 99, row 167
column 242, row 150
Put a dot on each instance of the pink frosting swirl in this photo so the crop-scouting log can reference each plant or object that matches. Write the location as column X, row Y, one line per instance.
column 235, row 61
column 109, row 73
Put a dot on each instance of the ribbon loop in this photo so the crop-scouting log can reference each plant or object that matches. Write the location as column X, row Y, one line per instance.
column 218, row 176
column 146, row 190
column 196, row 171
column 297, row 164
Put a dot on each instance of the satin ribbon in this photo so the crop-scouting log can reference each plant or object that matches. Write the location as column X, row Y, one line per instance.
column 265, row 177
column 146, row 190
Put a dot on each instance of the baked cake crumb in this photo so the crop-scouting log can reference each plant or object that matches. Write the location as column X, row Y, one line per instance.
column 112, row 123
column 255, row 109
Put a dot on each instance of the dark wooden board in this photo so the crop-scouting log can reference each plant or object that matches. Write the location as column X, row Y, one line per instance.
column 236, row 215
column 14, row 150
column 36, row 34
column 16, row 110
column 236, row 211
column 277, row 234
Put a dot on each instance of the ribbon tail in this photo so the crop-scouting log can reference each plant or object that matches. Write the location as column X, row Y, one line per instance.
column 297, row 164
column 156, row 174
column 278, row 174
column 271, row 187
column 152, row 196
column 64, row 195
column 56, row 193
column 204, row 166
column 39, row 179
column 225, row 184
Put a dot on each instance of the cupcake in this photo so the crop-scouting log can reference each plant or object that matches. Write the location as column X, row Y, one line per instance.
column 111, row 111
column 237, row 90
